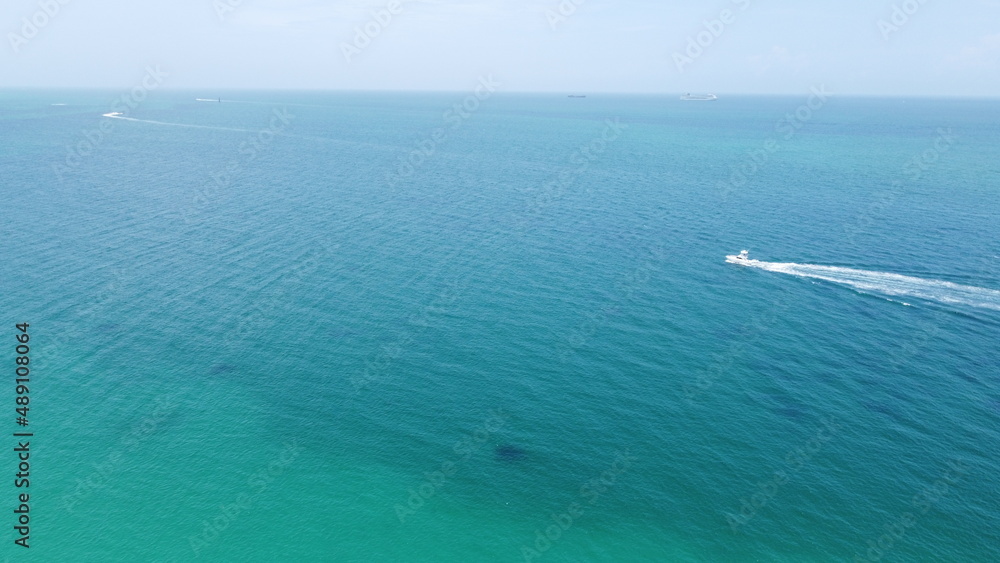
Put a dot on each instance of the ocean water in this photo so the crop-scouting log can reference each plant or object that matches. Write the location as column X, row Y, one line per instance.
column 371, row 327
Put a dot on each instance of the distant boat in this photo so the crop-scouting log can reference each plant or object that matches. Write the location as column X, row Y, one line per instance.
column 576, row 96
column 743, row 258
column 699, row 97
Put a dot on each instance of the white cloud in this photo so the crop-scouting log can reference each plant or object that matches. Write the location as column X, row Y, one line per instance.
column 777, row 58
column 985, row 53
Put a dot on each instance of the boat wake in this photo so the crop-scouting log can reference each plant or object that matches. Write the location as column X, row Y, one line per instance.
column 118, row 115
column 885, row 283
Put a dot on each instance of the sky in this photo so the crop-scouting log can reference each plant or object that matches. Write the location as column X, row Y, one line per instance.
column 851, row 47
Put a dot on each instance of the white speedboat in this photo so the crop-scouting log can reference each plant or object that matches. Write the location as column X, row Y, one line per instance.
column 742, row 258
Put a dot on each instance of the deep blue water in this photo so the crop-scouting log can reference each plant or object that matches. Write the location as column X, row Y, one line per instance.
column 259, row 335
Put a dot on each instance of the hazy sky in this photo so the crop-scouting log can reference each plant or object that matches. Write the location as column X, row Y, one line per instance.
column 941, row 47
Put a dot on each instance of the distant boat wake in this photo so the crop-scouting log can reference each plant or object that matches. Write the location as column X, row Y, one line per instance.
column 118, row 115
column 886, row 283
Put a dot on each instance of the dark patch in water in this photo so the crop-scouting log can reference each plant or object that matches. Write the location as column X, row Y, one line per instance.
column 219, row 369
column 792, row 412
column 109, row 327
column 966, row 377
column 994, row 405
column 882, row 409
column 507, row 452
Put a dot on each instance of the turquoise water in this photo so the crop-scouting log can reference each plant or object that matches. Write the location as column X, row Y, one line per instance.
column 258, row 335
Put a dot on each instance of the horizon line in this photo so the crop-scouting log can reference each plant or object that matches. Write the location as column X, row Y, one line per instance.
column 205, row 91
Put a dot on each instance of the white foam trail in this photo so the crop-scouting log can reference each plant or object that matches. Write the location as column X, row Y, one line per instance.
column 118, row 115
column 889, row 283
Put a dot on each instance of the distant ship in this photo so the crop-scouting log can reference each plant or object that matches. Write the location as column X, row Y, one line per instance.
column 576, row 96
column 699, row 97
